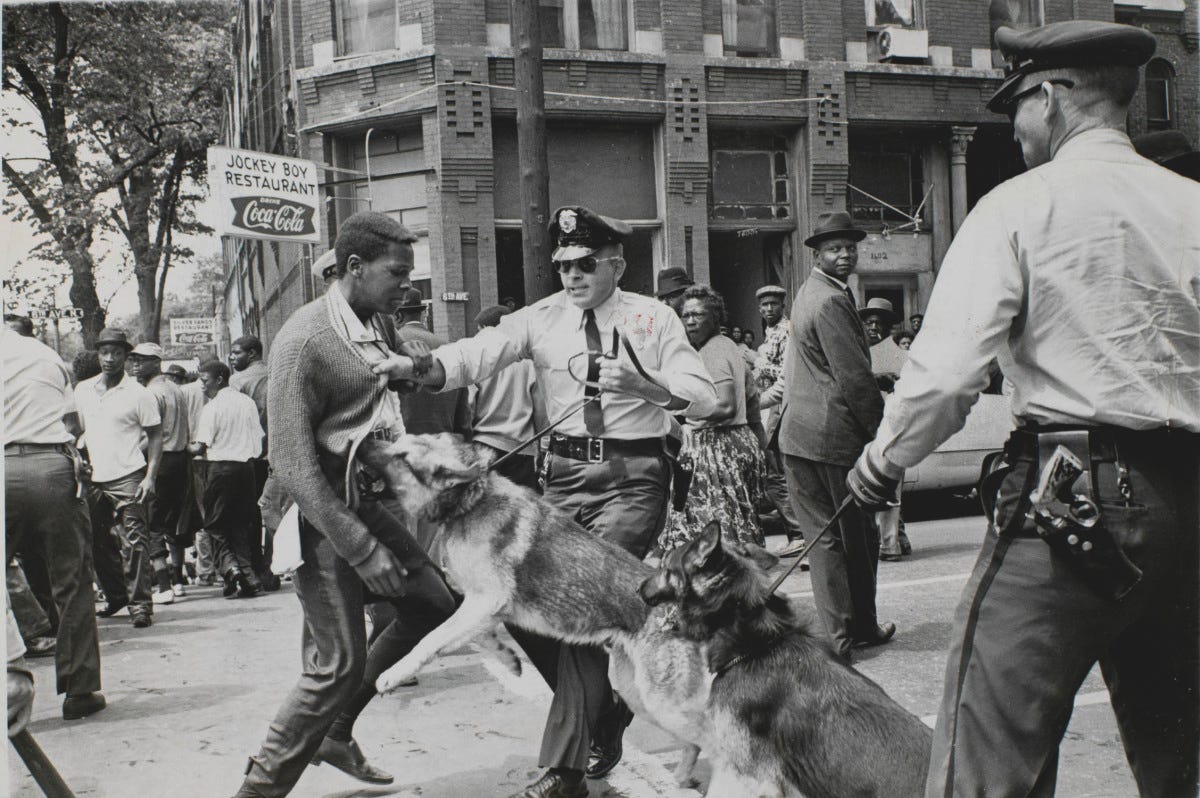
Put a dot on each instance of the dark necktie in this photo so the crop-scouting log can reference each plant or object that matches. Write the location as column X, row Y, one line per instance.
column 593, row 414
column 850, row 294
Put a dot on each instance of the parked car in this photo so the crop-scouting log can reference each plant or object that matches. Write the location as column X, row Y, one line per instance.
column 956, row 463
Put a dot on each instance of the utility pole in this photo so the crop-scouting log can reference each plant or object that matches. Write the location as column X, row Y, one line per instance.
column 531, row 148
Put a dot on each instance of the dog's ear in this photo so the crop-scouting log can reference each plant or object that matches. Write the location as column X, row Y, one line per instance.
column 705, row 551
column 657, row 589
column 761, row 557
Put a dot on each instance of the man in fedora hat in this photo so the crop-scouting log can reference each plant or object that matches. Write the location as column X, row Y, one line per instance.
column 172, row 485
column 877, row 318
column 831, row 408
column 116, row 413
column 1079, row 276
column 672, row 282
column 608, row 466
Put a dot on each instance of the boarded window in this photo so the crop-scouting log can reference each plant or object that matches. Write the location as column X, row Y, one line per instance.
column 750, row 177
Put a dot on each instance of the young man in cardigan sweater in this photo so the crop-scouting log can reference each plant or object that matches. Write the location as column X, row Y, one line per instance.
column 323, row 399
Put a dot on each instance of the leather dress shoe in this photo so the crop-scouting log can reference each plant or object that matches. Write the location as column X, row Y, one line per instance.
column 82, row 705
column 111, row 608
column 40, row 647
column 142, row 619
column 883, row 633
column 607, row 747
column 248, row 586
column 554, row 785
column 346, row 756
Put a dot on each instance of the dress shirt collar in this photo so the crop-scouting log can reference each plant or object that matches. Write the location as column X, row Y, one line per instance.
column 835, row 281
column 358, row 332
column 603, row 311
column 94, row 384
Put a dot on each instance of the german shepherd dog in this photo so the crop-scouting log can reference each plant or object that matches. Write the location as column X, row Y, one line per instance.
column 785, row 715
column 697, row 648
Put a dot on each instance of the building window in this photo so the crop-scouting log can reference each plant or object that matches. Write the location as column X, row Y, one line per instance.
column 1160, row 95
column 893, row 14
column 366, row 26
column 886, row 182
column 748, row 27
column 585, row 24
column 397, row 187
column 750, row 177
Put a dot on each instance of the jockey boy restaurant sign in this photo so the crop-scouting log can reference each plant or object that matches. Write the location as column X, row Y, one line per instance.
column 258, row 195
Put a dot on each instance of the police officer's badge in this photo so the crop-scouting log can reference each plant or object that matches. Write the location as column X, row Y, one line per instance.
column 566, row 221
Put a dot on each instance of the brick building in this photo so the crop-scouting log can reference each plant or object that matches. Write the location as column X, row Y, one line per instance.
column 719, row 128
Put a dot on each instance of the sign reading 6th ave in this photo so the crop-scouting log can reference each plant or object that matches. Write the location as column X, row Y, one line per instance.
column 258, row 195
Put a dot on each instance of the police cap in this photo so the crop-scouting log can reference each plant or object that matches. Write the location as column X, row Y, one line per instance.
column 578, row 232
column 1073, row 43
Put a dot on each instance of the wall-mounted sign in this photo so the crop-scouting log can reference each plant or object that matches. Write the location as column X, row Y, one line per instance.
column 456, row 296
column 56, row 313
column 195, row 331
column 259, row 195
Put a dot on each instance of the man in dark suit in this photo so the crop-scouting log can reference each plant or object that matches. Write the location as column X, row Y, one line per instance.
column 831, row 409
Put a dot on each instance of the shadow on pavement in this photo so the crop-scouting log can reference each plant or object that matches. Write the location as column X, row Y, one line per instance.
column 150, row 702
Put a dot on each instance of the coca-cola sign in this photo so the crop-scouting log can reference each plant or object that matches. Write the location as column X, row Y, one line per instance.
column 273, row 216
column 263, row 195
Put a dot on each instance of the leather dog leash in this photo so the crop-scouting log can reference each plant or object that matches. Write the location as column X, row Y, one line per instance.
column 617, row 337
column 838, row 513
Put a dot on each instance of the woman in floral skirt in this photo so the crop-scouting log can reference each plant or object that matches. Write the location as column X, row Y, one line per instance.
column 722, row 450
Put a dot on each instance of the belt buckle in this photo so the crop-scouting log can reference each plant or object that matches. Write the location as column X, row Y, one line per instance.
column 595, row 450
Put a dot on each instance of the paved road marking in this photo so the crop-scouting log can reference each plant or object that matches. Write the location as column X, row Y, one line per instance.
column 929, row 580
column 640, row 775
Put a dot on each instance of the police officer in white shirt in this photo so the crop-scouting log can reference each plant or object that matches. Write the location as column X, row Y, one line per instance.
column 1082, row 277
column 44, row 512
column 606, row 465
column 117, row 415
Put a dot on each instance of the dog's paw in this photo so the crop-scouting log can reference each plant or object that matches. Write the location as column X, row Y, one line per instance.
column 685, row 771
column 395, row 677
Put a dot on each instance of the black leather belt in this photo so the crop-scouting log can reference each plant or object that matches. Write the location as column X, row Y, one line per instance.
column 598, row 450
column 1104, row 441
column 16, row 449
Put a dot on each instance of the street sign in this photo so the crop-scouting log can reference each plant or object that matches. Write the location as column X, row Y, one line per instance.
column 56, row 313
column 194, row 331
column 259, row 195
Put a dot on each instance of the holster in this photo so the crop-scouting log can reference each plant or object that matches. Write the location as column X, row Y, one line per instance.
column 681, row 472
column 1084, row 542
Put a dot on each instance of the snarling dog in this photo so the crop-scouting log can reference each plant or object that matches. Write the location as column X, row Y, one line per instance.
column 785, row 716
column 514, row 556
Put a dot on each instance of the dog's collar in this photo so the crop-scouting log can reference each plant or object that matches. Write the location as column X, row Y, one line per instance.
column 723, row 668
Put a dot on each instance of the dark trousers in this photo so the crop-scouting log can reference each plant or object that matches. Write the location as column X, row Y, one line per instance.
column 775, row 486
column 1027, row 632
column 44, row 516
column 845, row 560
column 229, row 513
column 32, row 619
column 167, row 505
column 259, row 541
column 122, row 562
column 624, row 501
column 336, row 662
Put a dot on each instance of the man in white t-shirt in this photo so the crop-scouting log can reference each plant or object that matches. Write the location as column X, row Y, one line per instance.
column 229, row 436
column 117, row 414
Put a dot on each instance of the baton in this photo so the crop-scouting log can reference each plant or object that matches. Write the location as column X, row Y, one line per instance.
column 838, row 513
column 40, row 766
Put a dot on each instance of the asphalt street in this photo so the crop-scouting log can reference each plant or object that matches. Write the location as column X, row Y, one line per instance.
column 191, row 697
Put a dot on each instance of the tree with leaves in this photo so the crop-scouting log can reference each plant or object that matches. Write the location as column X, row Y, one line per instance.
column 127, row 98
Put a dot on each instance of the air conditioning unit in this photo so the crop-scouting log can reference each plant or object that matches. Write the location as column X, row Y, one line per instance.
column 903, row 43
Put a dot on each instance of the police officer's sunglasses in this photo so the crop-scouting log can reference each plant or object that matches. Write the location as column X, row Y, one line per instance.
column 587, row 265
column 1015, row 100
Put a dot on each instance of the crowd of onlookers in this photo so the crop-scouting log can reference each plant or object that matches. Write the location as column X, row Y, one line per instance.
column 171, row 471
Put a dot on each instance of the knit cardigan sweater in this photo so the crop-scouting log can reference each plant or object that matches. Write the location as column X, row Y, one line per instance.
column 322, row 398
